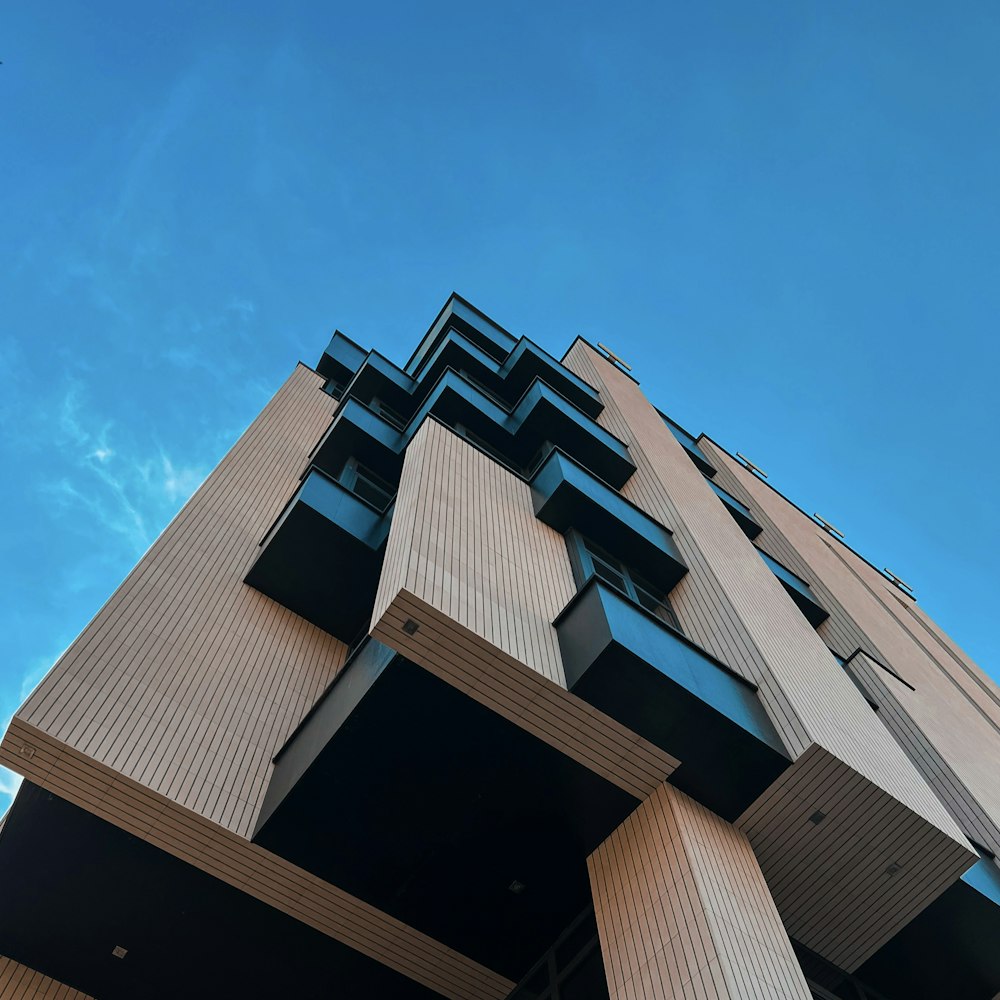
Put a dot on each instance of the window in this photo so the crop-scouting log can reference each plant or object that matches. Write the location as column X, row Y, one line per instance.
column 483, row 445
column 388, row 413
column 334, row 388
column 591, row 560
column 472, row 380
column 538, row 458
column 364, row 483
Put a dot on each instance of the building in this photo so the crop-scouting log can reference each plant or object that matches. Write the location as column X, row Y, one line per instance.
column 481, row 678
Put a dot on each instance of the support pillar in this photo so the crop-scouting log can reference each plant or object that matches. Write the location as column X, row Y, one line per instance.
column 683, row 910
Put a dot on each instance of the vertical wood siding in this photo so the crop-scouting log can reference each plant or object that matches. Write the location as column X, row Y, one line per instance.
column 188, row 680
column 807, row 695
column 683, row 910
column 18, row 982
column 468, row 562
column 830, row 879
column 950, row 725
column 469, row 544
column 163, row 716
column 743, row 615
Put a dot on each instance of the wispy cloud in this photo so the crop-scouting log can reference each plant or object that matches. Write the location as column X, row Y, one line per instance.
column 108, row 484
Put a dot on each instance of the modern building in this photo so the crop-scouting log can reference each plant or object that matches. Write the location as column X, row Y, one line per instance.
column 479, row 678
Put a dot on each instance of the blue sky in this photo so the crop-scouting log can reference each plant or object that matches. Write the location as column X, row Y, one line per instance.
column 785, row 216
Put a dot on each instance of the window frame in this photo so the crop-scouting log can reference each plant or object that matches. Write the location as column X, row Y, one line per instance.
column 583, row 552
column 354, row 471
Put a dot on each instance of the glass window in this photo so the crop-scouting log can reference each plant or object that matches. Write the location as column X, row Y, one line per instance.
column 364, row 483
column 591, row 560
column 388, row 413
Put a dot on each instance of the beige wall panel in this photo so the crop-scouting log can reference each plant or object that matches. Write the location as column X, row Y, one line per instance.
column 188, row 680
column 733, row 595
column 683, row 910
column 470, row 545
column 213, row 849
column 951, row 715
column 468, row 562
column 843, row 635
column 699, row 600
column 18, row 982
column 163, row 716
column 830, row 879
column 839, row 631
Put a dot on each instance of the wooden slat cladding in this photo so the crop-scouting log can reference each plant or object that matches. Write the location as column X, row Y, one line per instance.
column 813, row 704
column 469, row 563
column 188, row 680
column 825, row 837
column 948, row 724
column 683, row 910
column 839, row 631
column 465, row 539
column 163, row 716
column 887, row 692
column 796, row 676
column 700, row 600
column 225, row 855
column 18, row 982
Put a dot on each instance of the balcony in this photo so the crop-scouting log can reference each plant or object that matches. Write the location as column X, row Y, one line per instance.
column 798, row 590
column 540, row 415
column 691, row 446
column 322, row 557
column 630, row 665
column 567, row 496
column 378, row 377
column 740, row 511
column 358, row 430
column 341, row 359
column 508, row 380
column 460, row 315
column 950, row 948
column 528, row 362
column 404, row 791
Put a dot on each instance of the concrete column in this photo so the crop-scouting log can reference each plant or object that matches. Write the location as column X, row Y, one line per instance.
column 683, row 910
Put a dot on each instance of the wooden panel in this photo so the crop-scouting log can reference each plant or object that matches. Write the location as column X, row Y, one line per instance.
column 839, row 631
column 889, row 694
column 683, row 910
column 831, row 880
column 219, row 852
column 18, row 982
column 163, row 716
column 949, row 724
column 470, row 564
column 467, row 541
column 813, row 704
column 188, row 680
column 700, row 600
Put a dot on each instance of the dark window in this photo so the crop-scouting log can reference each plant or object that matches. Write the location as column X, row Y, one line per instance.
column 590, row 560
column 472, row 380
column 364, row 483
column 388, row 413
column 334, row 388
column 483, row 445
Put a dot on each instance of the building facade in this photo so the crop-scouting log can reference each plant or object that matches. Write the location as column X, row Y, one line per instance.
column 481, row 678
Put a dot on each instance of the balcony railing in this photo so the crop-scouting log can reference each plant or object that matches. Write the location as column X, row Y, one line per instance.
column 798, row 590
column 740, row 511
column 323, row 556
column 691, row 446
column 565, row 496
column 633, row 666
